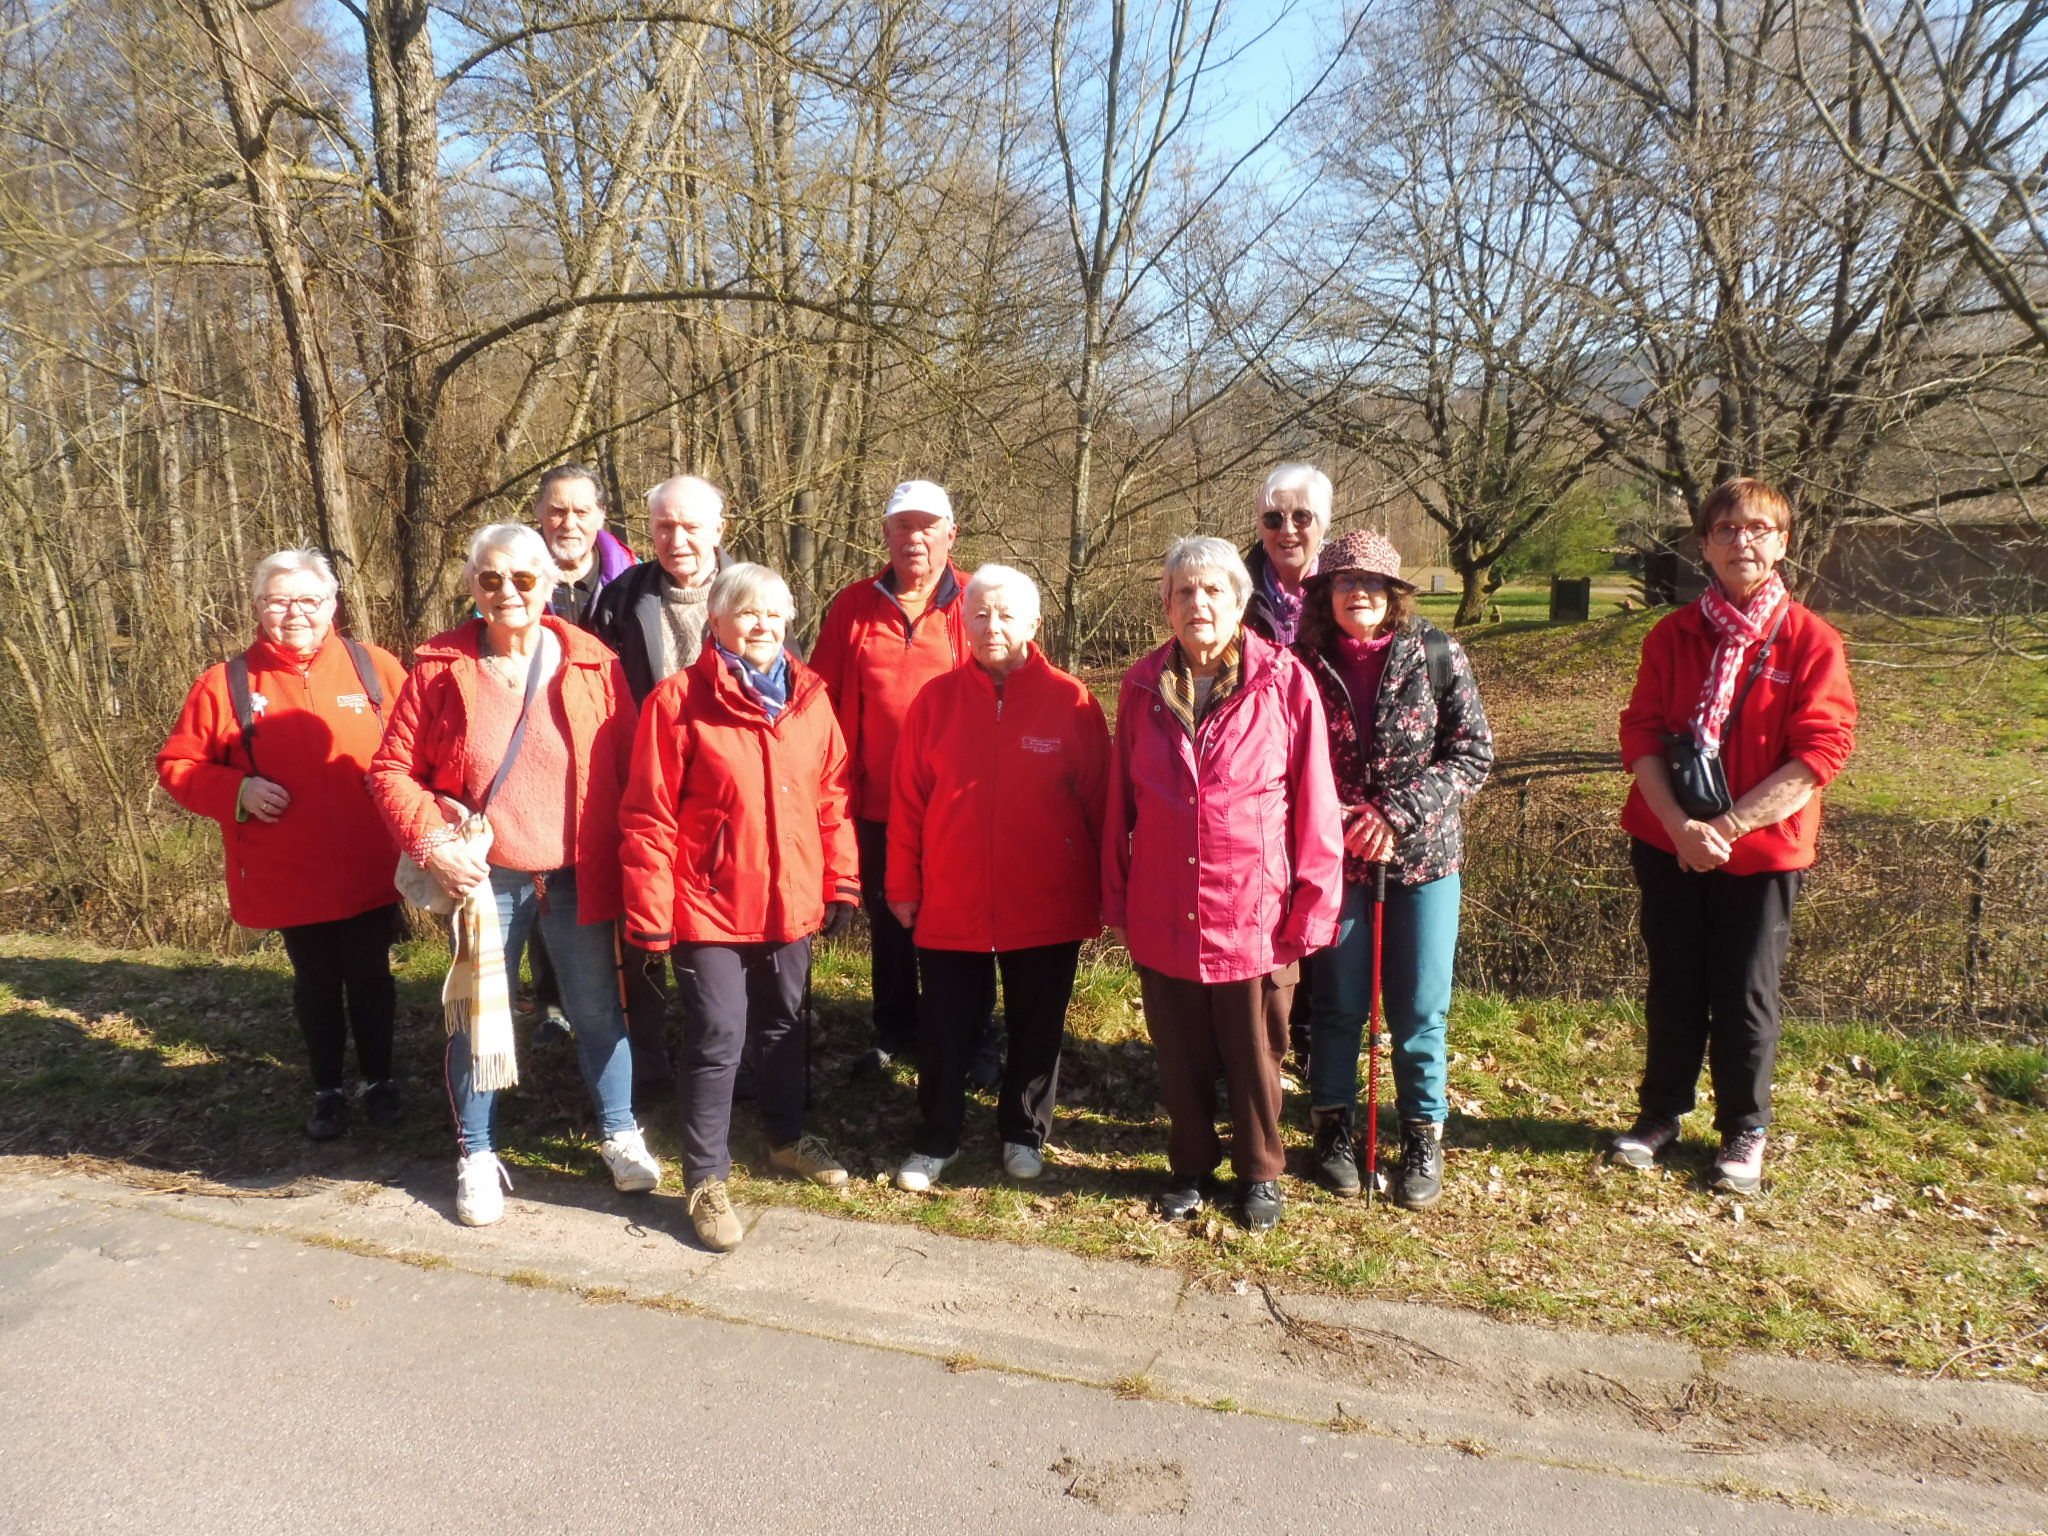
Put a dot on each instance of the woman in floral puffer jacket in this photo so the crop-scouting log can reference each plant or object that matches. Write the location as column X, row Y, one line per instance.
column 1409, row 745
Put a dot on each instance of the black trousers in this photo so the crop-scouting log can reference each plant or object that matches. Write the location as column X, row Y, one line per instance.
column 1717, row 947
column 892, row 952
column 734, row 996
column 959, row 996
column 341, row 978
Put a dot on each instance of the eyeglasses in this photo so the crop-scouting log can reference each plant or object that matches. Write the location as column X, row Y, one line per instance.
column 1358, row 581
column 1725, row 534
column 294, row 604
column 1273, row 522
column 494, row 581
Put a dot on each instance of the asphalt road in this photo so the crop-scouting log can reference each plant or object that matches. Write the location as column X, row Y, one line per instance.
column 166, row 1376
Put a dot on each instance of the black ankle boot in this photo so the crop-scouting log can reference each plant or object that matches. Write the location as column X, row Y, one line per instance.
column 1422, row 1165
column 1336, row 1156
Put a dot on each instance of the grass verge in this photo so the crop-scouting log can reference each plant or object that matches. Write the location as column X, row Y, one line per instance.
column 1905, row 1221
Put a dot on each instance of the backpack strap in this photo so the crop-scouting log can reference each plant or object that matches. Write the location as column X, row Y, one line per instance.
column 366, row 674
column 245, row 709
column 1436, row 656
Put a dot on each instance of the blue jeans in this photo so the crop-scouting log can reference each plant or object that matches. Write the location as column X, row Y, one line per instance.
column 587, row 968
column 1419, row 944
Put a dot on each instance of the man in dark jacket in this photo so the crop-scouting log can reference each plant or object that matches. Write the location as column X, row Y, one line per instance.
column 653, row 615
column 569, row 509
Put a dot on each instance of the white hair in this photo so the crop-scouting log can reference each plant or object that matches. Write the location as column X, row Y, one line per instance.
column 696, row 494
column 1300, row 477
column 1003, row 578
column 742, row 585
column 518, row 541
column 289, row 562
column 1198, row 554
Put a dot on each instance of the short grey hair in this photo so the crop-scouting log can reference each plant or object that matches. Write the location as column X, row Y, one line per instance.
column 1198, row 553
column 289, row 562
column 522, row 543
column 1002, row 578
column 742, row 585
column 697, row 493
column 1300, row 477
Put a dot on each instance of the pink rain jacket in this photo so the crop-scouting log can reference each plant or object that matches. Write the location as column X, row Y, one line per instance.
column 1223, row 857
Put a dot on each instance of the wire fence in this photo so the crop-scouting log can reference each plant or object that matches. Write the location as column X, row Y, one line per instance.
column 1903, row 921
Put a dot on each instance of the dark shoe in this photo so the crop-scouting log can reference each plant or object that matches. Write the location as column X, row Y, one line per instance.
column 552, row 1028
column 1422, row 1165
column 1179, row 1200
column 382, row 1106
column 1261, row 1206
column 1739, row 1168
column 1336, row 1157
column 987, row 1068
column 330, row 1115
column 1638, row 1146
column 869, row 1061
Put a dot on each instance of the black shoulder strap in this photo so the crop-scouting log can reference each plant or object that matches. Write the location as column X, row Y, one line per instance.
column 245, row 709
column 1436, row 655
column 366, row 674
column 1762, row 654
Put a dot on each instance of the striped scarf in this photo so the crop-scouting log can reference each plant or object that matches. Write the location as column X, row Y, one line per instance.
column 475, row 998
column 1177, row 686
column 1739, row 629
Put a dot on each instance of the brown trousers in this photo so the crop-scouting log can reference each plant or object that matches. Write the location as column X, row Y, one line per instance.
column 1237, row 1028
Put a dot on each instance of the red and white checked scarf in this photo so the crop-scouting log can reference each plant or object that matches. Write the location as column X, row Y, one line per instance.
column 1739, row 629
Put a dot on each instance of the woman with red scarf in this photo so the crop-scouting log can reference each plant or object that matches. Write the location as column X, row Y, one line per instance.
column 1750, row 680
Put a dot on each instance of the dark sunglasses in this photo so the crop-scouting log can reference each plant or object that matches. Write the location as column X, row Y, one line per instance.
column 494, row 581
column 1275, row 521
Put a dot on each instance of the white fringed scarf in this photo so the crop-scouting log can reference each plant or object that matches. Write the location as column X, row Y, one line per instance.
column 476, row 999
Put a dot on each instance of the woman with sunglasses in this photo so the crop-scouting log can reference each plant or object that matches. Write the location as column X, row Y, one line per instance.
column 1294, row 514
column 1409, row 745
column 1750, row 680
column 307, row 853
column 529, row 722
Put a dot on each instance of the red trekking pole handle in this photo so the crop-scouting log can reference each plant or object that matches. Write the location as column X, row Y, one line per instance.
column 1372, row 1037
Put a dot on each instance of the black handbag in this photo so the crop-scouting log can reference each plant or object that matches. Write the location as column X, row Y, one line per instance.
column 1698, row 781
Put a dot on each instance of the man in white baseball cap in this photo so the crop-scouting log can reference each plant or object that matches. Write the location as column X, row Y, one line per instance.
column 883, row 639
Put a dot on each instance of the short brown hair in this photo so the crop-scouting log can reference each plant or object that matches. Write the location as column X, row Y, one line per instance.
column 1319, row 629
column 1743, row 495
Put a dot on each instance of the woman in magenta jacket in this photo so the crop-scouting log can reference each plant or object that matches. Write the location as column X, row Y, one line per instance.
column 995, row 833
column 1222, row 867
column 1757, row 680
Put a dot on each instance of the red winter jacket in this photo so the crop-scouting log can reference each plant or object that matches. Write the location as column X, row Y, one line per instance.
column 423, row 751
column 328, row 856
column 875, row 662
column 1801, row 707
column 996, row 825
column 736, row 830
column 1223, row 859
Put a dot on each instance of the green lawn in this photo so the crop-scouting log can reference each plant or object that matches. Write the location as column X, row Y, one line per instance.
column 1903, row 1221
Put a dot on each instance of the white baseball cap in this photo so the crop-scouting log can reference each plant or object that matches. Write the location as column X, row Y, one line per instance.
column 921, row 496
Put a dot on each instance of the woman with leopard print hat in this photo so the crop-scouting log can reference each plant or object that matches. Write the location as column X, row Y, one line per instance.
column 1409, row 745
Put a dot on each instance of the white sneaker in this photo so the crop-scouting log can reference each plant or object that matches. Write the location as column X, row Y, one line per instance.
column 635, row 1170
column 480, row 1185
column 919, row 1172
column 1022, row 1162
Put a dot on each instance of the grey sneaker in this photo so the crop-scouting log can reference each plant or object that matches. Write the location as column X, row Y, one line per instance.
column 920, row 1172
column 1639, row 1145
column 1739, row 1168
column 1021, row 1161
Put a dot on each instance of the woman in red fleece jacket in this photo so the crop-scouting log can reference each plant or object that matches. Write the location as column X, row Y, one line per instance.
column 307, row 853
column 1762, row 683
column 995, row 832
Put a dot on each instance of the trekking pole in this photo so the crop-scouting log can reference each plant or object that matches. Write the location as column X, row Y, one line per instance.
column 1372, row 1038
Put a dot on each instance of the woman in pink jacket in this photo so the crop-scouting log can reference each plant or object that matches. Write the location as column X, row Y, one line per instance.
column 1222, row 867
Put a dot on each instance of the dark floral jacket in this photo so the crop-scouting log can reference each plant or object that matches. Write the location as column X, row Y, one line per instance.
column 1427, row 761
